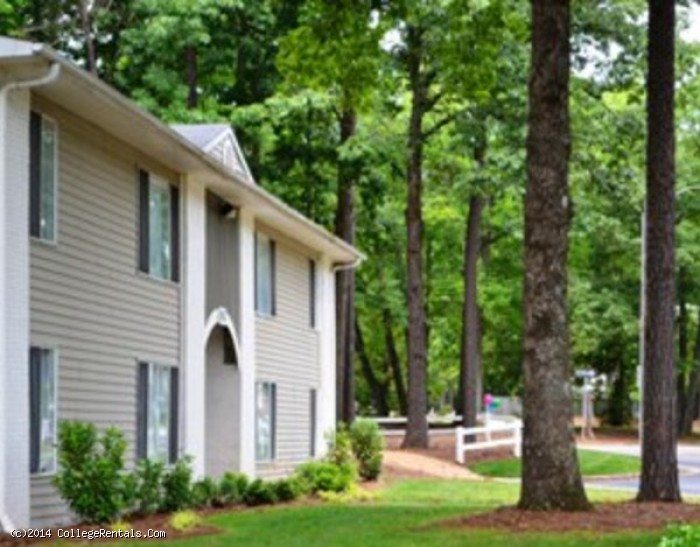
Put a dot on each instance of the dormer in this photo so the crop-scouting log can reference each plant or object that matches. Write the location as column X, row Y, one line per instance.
column 219, row 141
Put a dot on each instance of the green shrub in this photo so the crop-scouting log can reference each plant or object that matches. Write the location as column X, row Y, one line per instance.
column 205, row 492
column 327, row 476
column 185, row 520
column 681, row 535
column 367, row 445
column 90, row 476
column 231, row 488
column 288, row 489
column 340, row 446
column 177, row 486
column 148, row 486
column 260, row 492
column 354, row 494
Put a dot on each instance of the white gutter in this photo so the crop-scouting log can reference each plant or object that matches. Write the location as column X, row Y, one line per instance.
column 343, row 266
column 53, row 72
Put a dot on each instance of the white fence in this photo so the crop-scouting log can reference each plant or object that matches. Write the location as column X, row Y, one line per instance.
column 513, row 431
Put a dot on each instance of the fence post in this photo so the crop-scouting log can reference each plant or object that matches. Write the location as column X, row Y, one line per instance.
column 459, row 444
column 518, row 439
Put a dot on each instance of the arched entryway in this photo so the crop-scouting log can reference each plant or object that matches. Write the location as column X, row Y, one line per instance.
column 222, row 409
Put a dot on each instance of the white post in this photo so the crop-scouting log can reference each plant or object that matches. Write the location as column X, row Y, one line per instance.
column 459, row 444
column 14, row 311
column 193, row 303
column 246, row 326
column 325, row 419
column 517, row 446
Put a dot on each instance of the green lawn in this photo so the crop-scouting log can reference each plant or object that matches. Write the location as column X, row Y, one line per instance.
column 592, row 463
column 407, row 513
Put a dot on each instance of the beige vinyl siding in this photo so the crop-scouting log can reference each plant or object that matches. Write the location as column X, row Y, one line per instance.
column 287, row 354
column 88, row 300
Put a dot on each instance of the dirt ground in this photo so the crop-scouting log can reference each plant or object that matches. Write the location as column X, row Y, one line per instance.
column 608, row 517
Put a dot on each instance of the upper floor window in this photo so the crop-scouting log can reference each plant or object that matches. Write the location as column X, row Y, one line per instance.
column 264, row 274
column 159, row 227
column 43, row 175
column 157, row 416
column 42, row 410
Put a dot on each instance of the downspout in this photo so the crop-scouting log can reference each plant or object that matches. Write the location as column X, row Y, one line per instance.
column 51, row 75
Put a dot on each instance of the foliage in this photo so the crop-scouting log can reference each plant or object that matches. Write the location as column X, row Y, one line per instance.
column 260, row 492
column 177, row 486
column 232, row 487
column 288, row 489
column 327, row 476
column 148, row 478
column 183, row 521
column 90, row 476
column 354, row 494
column 205, row 492
column 367, row 445
column 340, row 450
column 681, row 535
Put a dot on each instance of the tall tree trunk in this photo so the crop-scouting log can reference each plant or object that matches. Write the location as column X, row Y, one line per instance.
column 417, row 423
column 659, row 481
column 551, row 478
column 691, row 396
column 89, row 39
column 393, row 361
column 377, row 388
column 192, row 76
column 469, row 358
column 345, row 281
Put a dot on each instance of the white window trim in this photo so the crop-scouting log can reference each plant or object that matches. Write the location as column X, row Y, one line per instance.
column 52, row 242
column 56, row 360
column 273, row 411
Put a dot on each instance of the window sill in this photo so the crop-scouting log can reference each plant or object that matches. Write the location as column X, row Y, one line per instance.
column 51, row 243
column 43, row 474
column 156, row 279
column 264, row 315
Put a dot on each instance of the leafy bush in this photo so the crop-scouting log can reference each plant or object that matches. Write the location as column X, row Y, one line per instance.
column 185, row 520
column 177, row 486
column 288, row 489
column 340, row 446
column 205, row 492
column 353, row 494
column 260, row 492
column 681, row 535
column 148, row 487
column 327, row 476
column 367, row 445
column 90, row 476
column 231, row 488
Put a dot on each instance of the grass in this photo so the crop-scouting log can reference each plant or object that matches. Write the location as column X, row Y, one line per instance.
column 406, row 513
column 592, row 463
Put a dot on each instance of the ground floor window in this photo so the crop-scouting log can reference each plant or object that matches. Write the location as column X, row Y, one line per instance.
column 157, row 412
column 42, row 400
column 265, row 420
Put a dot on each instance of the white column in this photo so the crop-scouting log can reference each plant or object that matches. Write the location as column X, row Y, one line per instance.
column 193, row 305
column 246, row 331
column 326, row 353
column 14, row 309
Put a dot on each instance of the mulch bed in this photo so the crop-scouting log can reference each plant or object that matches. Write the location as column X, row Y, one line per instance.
column 605, row 517
column 152, row 522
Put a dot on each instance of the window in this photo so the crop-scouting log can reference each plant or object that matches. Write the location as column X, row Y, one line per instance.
column 312, row 293
column 42, row 176
column 312, row 422
column 157, row 413
column 265, row 420
column 264, row 275
column 159, row 227
column 42, row 400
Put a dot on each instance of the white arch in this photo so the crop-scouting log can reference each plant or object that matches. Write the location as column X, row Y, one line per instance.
column 220, row 317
